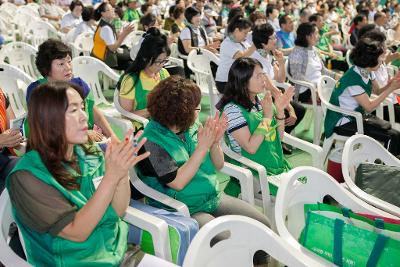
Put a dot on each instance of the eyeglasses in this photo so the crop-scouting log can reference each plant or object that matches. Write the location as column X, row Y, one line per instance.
column 198, row 109
column 161, row 61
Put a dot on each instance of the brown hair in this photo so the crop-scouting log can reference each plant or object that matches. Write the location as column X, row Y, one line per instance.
column 173, row 102
column 46, row 119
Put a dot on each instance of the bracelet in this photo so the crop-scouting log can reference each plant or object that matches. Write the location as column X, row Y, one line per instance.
column 280, row 119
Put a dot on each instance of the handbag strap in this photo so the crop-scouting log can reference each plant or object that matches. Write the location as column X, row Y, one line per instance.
column 338, row 242
column 377, row 250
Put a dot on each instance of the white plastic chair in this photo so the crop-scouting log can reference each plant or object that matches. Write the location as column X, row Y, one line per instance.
column 325, row 89
column 128, row 114
column 7, row 30
column 133, row 38
column 22, row 56
column 21, row 22
column 8, row 7
column 293, row 194
column 13, row 89
column 155, row 226
column 28, row 10
column 244, row 176
column 83, row 44
column 199, row 61
column 89, row 69
column 264, row 198
column 362, row 149
column 314, row 105
column 39, row 31
column 348, row 58
column 246, row 237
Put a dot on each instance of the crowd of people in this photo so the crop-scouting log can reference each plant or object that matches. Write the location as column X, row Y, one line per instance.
column 68, row 195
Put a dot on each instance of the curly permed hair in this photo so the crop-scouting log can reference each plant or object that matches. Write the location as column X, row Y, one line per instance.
column 173, row 102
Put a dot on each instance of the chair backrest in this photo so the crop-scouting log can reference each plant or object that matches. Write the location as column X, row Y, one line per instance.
column 22, row 56
column 174, row 50
column 84, row 43
column 10, row 8
column 133, row 38
column 39, row 31
column 364, row 149
column 28, row 10
column 89, row 69
column 325, row 89
column 21, row 20
column 313, row 187
column 246, row 237
column 348, row 57
column 7, row 256
column 199, row 61
column 14, row 90
column 6, row 16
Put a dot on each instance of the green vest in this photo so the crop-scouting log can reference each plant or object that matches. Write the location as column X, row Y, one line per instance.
column 269, row 153
column 350, row 78
column 106, row 245
column 201, row 194
column 131, row 15
column 140, row 92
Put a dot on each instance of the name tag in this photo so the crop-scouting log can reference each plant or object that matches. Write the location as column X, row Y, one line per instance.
column 96, row 181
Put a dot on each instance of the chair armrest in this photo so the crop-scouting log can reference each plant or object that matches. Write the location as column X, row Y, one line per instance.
column 314, row 150
column 156, row 195
column 124, row 124
column 355, row 114
column 281, row 85
column 156, row 227
column 245, row 178
column 176, row 61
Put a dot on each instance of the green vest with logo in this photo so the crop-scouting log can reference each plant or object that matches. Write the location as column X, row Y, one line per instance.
column 106, row 245
column 269, row 153
column 201, row 194
column 350, row 78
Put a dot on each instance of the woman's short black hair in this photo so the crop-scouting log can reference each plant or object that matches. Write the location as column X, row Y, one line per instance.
column 367, row 51
column 364, row 29
column 261, row 34
column 237, row 87
column 304, row 30
column 190, row 13
column 237, row 11
column 239, row 22
column 74, row 4
column 48, row 51
column 178, row 11
column 148, row 20
column 87, row 13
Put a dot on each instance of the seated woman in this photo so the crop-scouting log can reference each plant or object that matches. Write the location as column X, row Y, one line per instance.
column 67, row 197
column 255, row 126
column 305, row 63
column 88, row 24
column 194, row 35
column 144, row 73
column 273, row 62
column 9, row 138
column 53, row 60
column 184, row 155
column 353, row 92
column 106, row 42
column 234, row 46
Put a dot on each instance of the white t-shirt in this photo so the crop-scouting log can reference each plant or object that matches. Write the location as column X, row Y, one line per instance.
column 275, row 24
column 70, row 21
column 227, row 51
column 82, row 27
column 107, row 35
column 185, row 35
column 266, row 62
column 347, row 100
column 313, row 70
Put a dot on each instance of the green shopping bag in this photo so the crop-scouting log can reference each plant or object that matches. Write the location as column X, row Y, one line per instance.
column 346, row 244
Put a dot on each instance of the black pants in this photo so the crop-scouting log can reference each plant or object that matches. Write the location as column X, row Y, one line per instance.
column 305, row 97
column 124, row 59
column 390, row 138
column 300, row 111
column 7, row 163
column 396, row 108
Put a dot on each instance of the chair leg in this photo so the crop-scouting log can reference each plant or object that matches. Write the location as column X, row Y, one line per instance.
column 317, row 127
column 328, row 142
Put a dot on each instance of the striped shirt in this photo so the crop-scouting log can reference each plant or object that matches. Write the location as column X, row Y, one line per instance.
column 237, row 121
